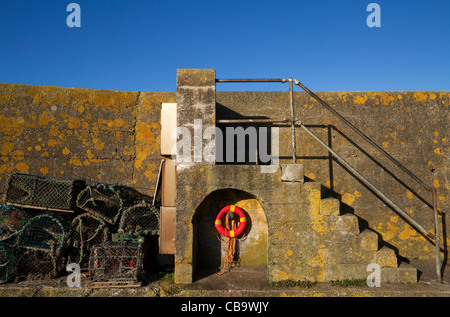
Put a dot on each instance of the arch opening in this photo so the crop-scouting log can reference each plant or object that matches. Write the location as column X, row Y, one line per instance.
column 209, row 252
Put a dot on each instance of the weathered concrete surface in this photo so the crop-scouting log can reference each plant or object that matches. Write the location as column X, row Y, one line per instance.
column 113, row 136
column 234, row 284
column 412, row 126
column 100, row 135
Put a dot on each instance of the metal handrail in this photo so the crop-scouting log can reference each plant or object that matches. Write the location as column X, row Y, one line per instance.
column 295, row 122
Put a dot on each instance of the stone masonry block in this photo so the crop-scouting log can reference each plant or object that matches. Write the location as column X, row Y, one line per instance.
column 369, row 240
column 330, row 207
column 311, row 190
column 406, row 273
column 292, row 172
column 196, row 77
column 347, row 224
column 386, row 257
column 388, row 275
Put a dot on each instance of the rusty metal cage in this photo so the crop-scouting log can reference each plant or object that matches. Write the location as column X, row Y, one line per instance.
column 116, row 261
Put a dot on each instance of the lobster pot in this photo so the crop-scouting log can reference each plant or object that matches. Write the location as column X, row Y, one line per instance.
column 105, row 201
column 39, row 192
column 12, row 220
column 116, row 261
column 44, row 232
column 85, row 232
column 7, row 262
column 36, row 265
column 142, row 218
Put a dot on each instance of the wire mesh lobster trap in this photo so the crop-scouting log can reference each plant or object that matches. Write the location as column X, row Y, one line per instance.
column 34, row 191
column 86, row 231
column 12, row 220
column 142, row 218
column 116, row 261
column 106, row 201
column 33, row 251
column 7, row 262
column 36, row 265
column 47, row 223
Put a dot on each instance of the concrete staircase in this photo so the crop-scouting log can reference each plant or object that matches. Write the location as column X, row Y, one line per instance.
column 346, row 250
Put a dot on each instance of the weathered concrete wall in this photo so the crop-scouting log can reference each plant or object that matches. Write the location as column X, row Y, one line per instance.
column 114, row 136
column 411, row 126
column 99, row 135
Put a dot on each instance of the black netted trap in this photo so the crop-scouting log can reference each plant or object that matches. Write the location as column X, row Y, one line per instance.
column 43, row 232
column 36, row 265
column 40, row 192
column 12, row 220
column 103, row 200
column 7, row 262
column 33, row 251
column 86, row 231
column 142, row 218
column 116, row 261
column 39, row 237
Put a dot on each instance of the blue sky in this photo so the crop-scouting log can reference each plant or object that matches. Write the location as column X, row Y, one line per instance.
column 137, row 45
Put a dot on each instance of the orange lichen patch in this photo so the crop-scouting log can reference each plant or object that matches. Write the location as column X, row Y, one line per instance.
column 75, row 161
column 386, row 99
column 360, row 100
column 348, row 199
column 420, row 96
column 92, row 158
column 45, row 118
column 74, row 123
column 439, row 152
column 65, row 151
column 12, row 125
column 18, row 155
column 410, row 233
column 7, row 147
column 409, row 194
column 22, row 167
column 98, row 144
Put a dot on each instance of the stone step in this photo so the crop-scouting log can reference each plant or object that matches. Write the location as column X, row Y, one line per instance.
column 350, row 251
column 368, row 240
column 347, row 224
column 386, row 257
column 330, row 207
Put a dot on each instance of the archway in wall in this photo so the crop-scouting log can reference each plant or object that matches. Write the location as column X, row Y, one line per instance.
column 209, row 252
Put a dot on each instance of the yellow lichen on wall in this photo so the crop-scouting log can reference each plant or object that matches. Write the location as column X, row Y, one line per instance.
column 86, row 133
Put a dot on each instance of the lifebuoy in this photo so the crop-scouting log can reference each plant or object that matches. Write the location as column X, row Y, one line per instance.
column 242, row 221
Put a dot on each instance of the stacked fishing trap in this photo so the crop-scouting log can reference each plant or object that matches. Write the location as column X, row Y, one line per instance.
column 47, row 223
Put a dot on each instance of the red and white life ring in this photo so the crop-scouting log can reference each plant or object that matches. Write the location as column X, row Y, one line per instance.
column 242, row 221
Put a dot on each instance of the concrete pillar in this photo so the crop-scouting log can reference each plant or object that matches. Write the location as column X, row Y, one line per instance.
column 196, row 111
column 196, row 116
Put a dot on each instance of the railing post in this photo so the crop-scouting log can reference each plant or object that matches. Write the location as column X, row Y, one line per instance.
column 291, row 99
column 437, row 237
